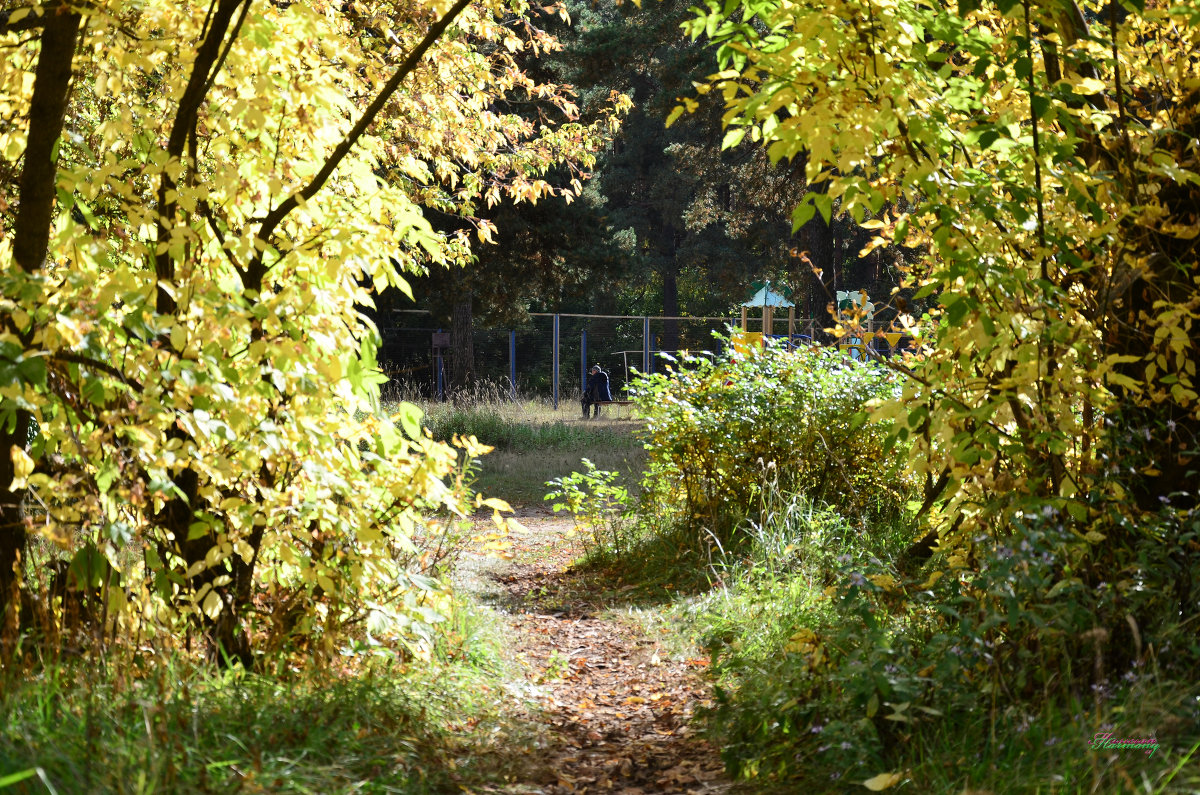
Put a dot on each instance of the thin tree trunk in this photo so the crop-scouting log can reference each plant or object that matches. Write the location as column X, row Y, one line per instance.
column 669, row 247
column 818, row 239
column 670, row 341
column 461, row 343
column 47, row 107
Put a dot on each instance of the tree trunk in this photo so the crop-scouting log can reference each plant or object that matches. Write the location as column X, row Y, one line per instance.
column 47, row 107
column 669, row 248
column 31, row 239
column 670, row 340
column 461, row 342
column 12, row 536
column 818, row 239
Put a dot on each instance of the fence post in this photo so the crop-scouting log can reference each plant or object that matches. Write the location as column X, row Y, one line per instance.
column 512, row 363
column 554, row 363
column 645, row 343
column 583, row 358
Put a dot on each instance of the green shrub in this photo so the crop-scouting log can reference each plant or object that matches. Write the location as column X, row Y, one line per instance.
column 718, row 433
column 599, row 505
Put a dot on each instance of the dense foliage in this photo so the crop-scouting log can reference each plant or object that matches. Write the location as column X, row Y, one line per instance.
column 721, row 435
column 199, row 202
column 840, row 655
column 835, row 666
column 1044, row 160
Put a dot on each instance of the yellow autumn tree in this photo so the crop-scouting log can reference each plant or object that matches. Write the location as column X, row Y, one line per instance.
column 1043, row 158
column 196, row 203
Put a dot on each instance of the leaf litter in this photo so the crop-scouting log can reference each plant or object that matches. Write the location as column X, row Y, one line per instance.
column 613, row 705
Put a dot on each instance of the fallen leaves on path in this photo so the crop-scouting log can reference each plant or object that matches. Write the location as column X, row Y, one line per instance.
column 615, row 706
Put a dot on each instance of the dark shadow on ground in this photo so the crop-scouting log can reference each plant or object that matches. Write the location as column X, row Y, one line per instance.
column 615, row 701
column 593, row 585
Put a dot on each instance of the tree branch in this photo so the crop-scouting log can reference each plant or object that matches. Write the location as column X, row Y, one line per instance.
column 185, row 120
column 107, row 369
column 256, row 270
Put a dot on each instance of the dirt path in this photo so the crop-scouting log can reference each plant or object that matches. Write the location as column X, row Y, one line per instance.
column 612, row 701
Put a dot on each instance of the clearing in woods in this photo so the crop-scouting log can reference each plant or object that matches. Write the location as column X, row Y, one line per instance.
column 611, row 689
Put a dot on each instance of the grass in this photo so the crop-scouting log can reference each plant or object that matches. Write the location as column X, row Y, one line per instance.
column 179, row 728
column 789, row 720
column 530, row 426
column 748, row 603
column 127, row 722
column 784, row 722
column 535, row 443
column 1049, row 750
column 520, row 477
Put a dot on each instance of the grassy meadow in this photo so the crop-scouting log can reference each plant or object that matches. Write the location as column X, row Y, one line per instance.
column 534, row 442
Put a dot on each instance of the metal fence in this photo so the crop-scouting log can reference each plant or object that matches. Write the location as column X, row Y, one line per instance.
column 550, row 356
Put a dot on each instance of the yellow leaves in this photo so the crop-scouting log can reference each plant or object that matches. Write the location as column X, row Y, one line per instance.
column 885, row 581
column 493, row 503
column 802, row 641
column 20, row 13
column 439, row 7
column 807, row 643
column 688, row 105
column 22, row 467
column 211, row 606
column 883, row 781
column 237, row 387
column 1085, row 85
column 244, row 550
column 331, row 367
column 471, row 446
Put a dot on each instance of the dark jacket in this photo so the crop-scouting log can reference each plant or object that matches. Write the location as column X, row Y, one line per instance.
column 597, row 387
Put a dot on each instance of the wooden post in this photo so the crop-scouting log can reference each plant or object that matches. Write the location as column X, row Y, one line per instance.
column 791, row 325
column 745, row 320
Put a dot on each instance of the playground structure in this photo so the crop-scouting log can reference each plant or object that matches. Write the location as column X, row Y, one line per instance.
column 854, row 309
column 768, row 301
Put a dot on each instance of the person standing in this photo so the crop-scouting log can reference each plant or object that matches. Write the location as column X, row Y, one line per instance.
column 596, row 391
